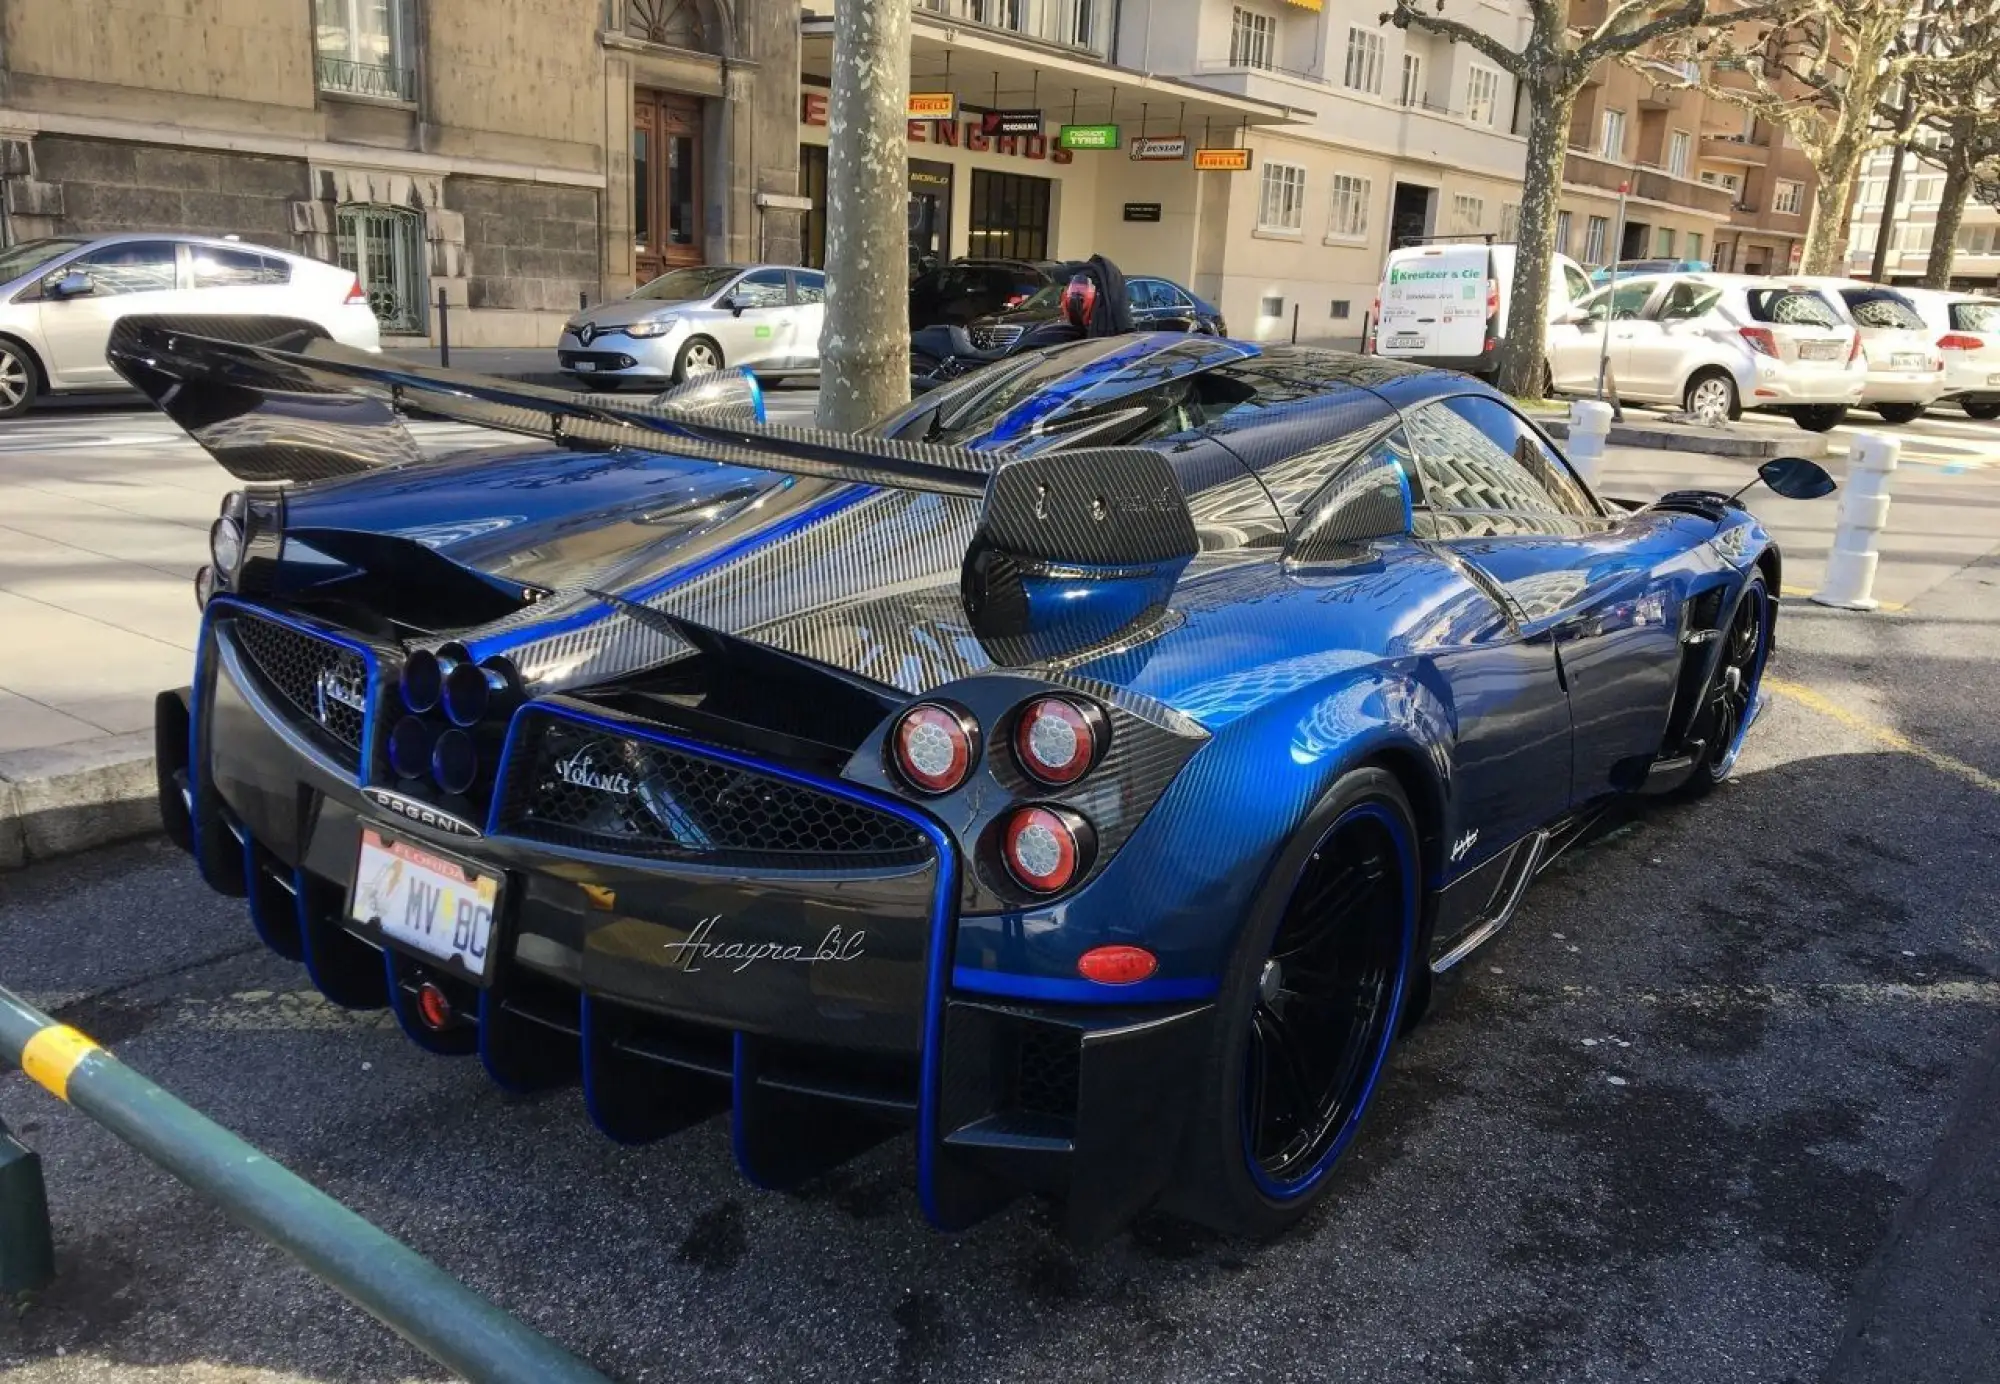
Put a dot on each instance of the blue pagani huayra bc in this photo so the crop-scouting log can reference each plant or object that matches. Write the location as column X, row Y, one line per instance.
column 1089, row 769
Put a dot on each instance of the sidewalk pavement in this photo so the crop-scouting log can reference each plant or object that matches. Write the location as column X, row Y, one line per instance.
column 104, row 518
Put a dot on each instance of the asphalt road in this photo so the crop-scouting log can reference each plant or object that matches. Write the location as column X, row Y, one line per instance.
column 1718, row 1106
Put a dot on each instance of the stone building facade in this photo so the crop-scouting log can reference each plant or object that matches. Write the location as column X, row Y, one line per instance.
column 511, row 156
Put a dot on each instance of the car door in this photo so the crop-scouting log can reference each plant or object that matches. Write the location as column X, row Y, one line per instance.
column 1146, row 299
column 809, row 302
column 1668, row 341
column 1602, row 336
column 1591, row 585
column 131, row 276
column 755, row 328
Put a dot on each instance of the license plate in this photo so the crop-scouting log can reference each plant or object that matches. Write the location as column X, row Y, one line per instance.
column 1993, row 379
column 1406, row 342
column 584, row 367
column 427, row 902
column 1908, row 361
column 1819, row 350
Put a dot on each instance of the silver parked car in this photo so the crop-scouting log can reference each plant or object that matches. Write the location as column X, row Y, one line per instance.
column 60, row 296
column 764, row 318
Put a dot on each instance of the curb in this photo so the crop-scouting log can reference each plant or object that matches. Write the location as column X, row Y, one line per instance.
column 72, row 797
column 1672, row 437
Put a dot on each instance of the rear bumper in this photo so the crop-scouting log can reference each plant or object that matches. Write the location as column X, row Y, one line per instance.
column 1971, row 380
column 1902, row 387
column 1784, row 389
column 812, row 1062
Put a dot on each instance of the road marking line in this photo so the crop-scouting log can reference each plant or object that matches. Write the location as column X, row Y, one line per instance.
column 1884, row 735
column 52, row 1054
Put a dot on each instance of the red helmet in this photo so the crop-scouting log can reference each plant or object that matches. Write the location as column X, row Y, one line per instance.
column 1079, row 300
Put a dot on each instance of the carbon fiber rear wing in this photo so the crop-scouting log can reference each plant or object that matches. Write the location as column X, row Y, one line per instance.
column 274, row 401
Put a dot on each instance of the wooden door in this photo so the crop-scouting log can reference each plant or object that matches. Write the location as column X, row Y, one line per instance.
column 666, row 182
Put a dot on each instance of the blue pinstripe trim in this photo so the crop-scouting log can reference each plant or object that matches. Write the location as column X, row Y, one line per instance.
column 1065, row 990
column 944, row 892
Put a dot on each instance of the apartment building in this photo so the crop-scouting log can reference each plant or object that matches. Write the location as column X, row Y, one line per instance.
column 1913, row 226
column 514, row 156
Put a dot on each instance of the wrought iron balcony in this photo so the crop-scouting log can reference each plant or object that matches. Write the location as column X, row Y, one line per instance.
column 367, row 79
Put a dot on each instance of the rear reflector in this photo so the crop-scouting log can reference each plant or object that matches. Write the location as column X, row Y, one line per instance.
column 1117, row 965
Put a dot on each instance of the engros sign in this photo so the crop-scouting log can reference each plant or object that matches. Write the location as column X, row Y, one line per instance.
column 968, row 134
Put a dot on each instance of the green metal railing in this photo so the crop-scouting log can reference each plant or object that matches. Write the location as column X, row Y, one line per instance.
column 367, row 79
column 384, row 1277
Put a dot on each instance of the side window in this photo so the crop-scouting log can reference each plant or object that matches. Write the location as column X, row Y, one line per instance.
column 1577, row 281
column 1367, row 497
column 763, row 289
column 1686, row 301
column 216, row 268
column 1625, row 302
column 1485, row 472
column 1144, row 294
column 809, row 286
column 139, row 266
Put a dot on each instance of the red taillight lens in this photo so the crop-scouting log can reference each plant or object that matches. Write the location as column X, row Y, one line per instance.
column 1492, row 297
column 354, row 293
column 1958, row 341
column 1046, row 848
column 1761, row 340
column 1057, row 740
column 934, row 746
column 1854, row 349
column 1117, row 965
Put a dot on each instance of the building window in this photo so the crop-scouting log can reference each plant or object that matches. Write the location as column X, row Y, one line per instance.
column 1270, row 307
column 1342, row 308
column 1562, row 232
column 1611, row 137
column 1364, row 61
column 1349, row 218
column 1482, row 94
column 812, row 183
column 1413, row 80
column 1510, row 220
column 367, row 48
column 1928, row 190
column 1663, row 242
column 1283, row 204
column 1253, row 38
column 1914, row 239
column 1010, row 216
column 1468, row 213
column 1680, row 145
column 1596, row 231
column 1693, row 246
column 1787, row 198
column 384, row 247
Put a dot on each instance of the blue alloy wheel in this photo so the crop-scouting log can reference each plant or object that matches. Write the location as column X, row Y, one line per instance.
column 1326, row 1001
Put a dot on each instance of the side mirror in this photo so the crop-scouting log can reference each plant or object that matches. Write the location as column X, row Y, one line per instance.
column 1795, row 478
column 733, row 303
column 74, row 284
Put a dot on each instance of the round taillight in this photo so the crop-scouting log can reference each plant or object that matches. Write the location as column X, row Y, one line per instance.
column 1057, row 740
column 433, row 1005
column 1046, row 848
column 934, row 746
column 1117, row 965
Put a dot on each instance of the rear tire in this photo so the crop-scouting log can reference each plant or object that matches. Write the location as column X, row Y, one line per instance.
column 20, row 380
column 1981, row 411
column 1819, row 418
column 1900, row 413
column 1311, row 1004
column 1711, row 397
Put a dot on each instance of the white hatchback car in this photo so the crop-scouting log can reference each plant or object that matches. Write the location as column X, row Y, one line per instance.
column 1715, row 344
column 59, row 298
column 1966, row 330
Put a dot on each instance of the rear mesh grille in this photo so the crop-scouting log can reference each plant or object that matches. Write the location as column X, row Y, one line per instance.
column 577, row 785
column 325, row 683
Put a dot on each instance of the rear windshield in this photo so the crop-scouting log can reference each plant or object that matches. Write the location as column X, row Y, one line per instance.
column 1792, row 308
column 1975, row 317
column 1883, row 310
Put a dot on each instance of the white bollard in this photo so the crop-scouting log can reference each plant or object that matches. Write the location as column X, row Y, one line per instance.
column 1589, row 426
column 1864, row 513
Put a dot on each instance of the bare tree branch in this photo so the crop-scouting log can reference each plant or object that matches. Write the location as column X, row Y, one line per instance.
column 1405, row 17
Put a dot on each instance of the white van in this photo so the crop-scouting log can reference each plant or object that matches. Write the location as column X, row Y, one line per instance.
column 1445, row 303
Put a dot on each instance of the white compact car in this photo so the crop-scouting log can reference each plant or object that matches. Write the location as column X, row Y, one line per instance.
column 1966, row 330
column 1446, row 304
column 1715, row 344
column 763, row 317
column 1905, row 367
column 59, row 297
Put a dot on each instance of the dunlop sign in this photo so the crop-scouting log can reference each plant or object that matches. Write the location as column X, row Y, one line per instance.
column 1160, row 148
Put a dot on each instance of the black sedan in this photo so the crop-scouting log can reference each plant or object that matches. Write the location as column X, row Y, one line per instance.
column 1156, row 304
column 956, row 293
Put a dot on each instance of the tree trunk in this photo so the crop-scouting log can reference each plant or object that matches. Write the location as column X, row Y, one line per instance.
column 1826, row 236
column 864, row 346
column 1951, row 211
column 1524, row 350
